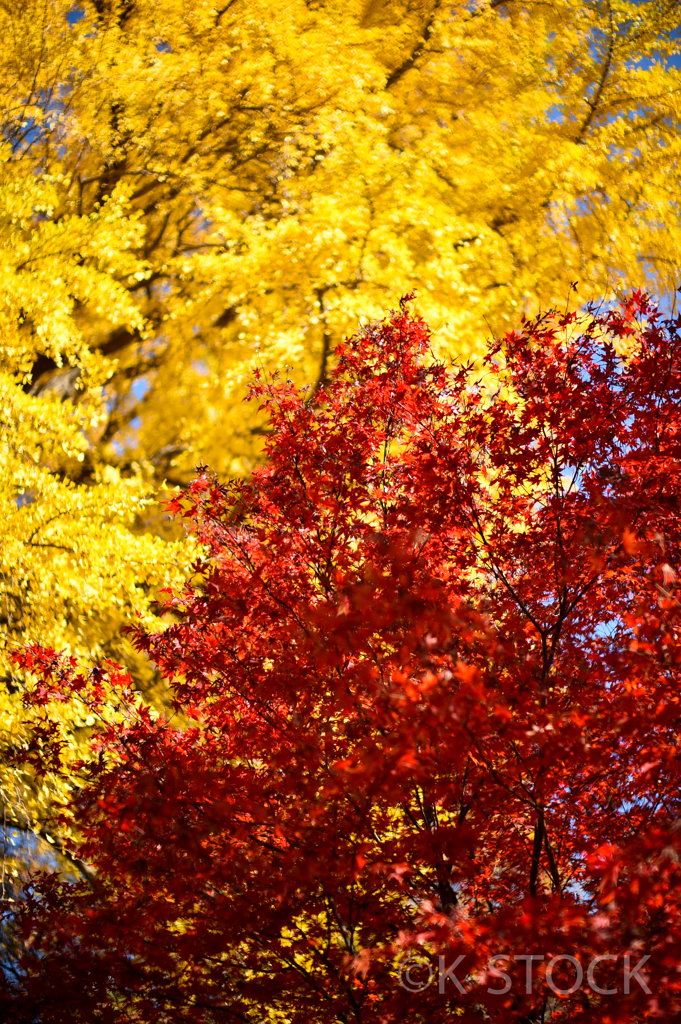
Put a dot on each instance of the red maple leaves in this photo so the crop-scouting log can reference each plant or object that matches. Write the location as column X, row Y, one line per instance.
column 427, row 708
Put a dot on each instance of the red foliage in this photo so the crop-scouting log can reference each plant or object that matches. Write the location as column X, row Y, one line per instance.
column 427, row 703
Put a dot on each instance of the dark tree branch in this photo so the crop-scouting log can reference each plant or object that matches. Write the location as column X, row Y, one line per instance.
column 417, row 51
column 410, row 61
column 536, row 852
column 594, row 103
column 85, row 871
column 322, row 377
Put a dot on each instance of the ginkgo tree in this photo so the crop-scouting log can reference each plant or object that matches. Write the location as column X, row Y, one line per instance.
column 74, row 558
column 423, row 758
column 288, row 169
column 191, row 188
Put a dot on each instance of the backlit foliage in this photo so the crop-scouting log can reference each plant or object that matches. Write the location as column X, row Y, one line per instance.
column 192, row 187
column 426, row 705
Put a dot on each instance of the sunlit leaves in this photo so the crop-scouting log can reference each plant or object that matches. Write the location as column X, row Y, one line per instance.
column 413, row 713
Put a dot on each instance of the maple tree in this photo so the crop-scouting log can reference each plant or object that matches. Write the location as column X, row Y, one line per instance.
column 189, row 189
column 426, row 704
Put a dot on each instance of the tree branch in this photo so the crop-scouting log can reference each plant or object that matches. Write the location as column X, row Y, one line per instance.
column 410, row 61
column 85, row 871
column 593, row 103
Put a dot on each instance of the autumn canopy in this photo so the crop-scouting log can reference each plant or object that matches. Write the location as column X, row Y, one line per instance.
column 425, row 708
column 393, row 676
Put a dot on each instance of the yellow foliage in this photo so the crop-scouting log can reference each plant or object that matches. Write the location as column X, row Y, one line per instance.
column 74, row 561
column 189, row 188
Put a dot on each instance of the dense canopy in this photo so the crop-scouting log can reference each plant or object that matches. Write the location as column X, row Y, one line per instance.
column 426, row 706
column 190, row 189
